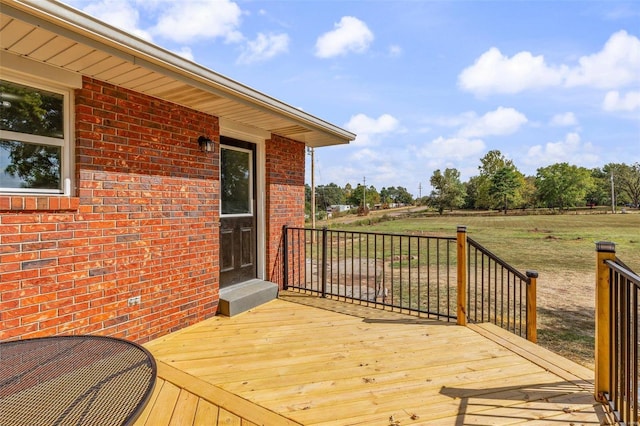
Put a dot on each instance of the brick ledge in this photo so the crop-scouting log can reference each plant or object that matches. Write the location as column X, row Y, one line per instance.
column 17, row 203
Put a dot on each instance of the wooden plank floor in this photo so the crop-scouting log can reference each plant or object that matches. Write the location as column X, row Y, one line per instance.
column 311, row 361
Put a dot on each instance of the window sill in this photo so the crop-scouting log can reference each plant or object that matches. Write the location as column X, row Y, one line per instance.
column 16, row 203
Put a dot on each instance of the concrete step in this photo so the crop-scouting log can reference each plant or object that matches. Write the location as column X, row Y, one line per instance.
column 244, row 296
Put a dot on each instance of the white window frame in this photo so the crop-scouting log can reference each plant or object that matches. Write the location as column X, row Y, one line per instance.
column 67, row 161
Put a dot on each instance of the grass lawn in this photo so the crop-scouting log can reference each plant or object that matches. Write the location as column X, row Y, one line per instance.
column 560, row 247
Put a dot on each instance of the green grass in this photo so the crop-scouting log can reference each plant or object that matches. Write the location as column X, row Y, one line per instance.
column 540, row 242
column 561, row 247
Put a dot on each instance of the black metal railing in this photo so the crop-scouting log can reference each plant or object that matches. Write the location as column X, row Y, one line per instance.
column 412, row 273
column 497, row 291
column 624, row 312
column 407, row 272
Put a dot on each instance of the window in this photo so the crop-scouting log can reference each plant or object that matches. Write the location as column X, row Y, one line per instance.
column 236, row 181
column 34, row 147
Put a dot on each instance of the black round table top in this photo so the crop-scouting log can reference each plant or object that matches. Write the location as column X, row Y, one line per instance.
column 74, row 380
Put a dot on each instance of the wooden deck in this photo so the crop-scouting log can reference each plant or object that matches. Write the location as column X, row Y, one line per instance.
column 311, row 361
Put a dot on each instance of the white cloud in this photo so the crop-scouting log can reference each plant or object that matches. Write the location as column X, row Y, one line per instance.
column 571, row 150
column 564, row 119
column 495, row 73
column 628, row 102
column 615, row 66
column 181, row 22
column 349, row 35
column 185, row 52
column 621, row 11
column 264, row 47
column 367, row 129
column 395, row 50
column 502, row 121
column 198, row 19
column 364, row 154
column 120, row 14
column 447, row 149
column 381, row 167
column 454, row 121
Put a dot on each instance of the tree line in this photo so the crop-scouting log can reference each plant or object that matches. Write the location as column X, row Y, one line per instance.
column 358, row 196
column 499, row 185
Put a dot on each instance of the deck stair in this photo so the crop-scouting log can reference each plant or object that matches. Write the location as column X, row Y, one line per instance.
column 244, row 296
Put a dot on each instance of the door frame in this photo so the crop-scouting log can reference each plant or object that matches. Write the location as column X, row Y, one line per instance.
column 258, row 137
column 235, row 223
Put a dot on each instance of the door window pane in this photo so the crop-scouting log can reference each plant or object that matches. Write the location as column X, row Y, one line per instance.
column 235, row 181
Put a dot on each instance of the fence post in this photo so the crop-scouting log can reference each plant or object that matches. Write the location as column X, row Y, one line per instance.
column 285, row 258
column 605, row 251
column 324, row 261
column 532, row 316
column 462, row 274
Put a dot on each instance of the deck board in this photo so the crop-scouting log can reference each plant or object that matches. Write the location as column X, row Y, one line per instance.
column 304, row 360
column 206, row 413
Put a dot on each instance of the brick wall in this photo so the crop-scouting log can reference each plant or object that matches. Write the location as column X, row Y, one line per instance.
column 285, row 160
column 144, row 223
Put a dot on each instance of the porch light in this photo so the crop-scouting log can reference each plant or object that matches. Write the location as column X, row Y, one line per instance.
column 206, row 144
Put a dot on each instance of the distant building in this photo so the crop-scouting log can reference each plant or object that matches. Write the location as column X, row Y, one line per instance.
column 339, row 208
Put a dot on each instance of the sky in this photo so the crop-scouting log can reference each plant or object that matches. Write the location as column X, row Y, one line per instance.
column 425, row 85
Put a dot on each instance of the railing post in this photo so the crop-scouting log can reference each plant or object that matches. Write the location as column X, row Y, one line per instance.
column 532, row 316
column 285, row 258
column 462, row 274
column 324, row 261
column 604, row 251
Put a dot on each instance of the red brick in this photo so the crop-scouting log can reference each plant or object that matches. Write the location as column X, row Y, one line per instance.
column 143, row 224
column 39, row 317
column 39, row 333
column 7, row 333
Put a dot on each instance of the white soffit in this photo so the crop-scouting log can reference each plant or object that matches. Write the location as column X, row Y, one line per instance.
column 55, row 34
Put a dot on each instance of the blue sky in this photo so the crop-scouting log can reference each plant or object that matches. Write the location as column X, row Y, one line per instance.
column 425, row 85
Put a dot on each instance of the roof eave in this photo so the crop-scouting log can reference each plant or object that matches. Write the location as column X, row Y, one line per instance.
column 148, row 55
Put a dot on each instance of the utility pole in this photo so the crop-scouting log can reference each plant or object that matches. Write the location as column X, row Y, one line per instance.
column 313, row 187
column 364, row 194
column 613, row 195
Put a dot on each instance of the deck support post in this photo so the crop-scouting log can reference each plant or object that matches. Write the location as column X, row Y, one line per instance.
column 604, row 251
column 532, row 316
column 285, row 258
column 462, row 275
column 324, row 261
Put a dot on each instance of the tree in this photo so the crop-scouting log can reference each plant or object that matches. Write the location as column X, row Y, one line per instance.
column 395, row 195
column 616, row 172
column 359, row 196
column 529, row 193
column 348, row 189
column 448, row 192
column 403, row 196
column 471, row 192
column 490, row 164
column 329, row 195
column 562, row 185
column 629, row 182
column 504, row 184
column 600, row 192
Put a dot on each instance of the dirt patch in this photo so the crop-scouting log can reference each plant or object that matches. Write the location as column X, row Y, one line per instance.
column 566, row 312
column 541, row 231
